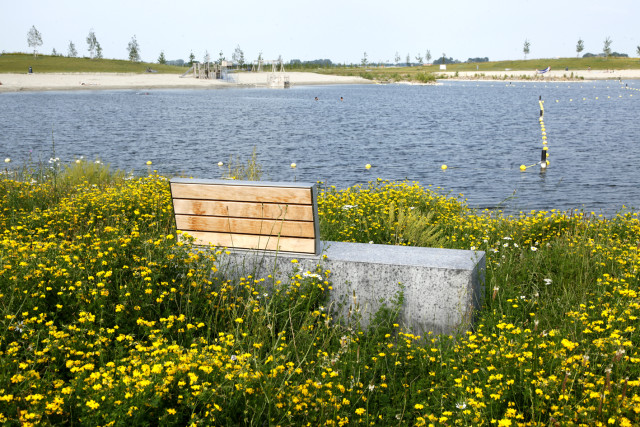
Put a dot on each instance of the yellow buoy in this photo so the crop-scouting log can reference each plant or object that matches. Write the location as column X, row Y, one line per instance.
column 220, row 164
column 443, row 167
column 367, row 166
column 149, row 162
column 523, row 167
column 293, row 165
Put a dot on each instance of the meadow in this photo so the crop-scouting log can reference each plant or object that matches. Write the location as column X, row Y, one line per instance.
column 428, row 73
column 20, row 63
column 110, row 318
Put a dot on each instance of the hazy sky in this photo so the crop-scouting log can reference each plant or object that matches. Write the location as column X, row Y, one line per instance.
column 338, row 30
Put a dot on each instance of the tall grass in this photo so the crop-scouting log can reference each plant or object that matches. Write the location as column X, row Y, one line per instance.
column 249, row 170
column 108, row 318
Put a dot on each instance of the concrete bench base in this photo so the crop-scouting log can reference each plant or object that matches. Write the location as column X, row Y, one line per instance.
column 442, row 287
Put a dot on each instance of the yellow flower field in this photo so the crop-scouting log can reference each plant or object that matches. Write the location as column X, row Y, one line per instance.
column 110, row 318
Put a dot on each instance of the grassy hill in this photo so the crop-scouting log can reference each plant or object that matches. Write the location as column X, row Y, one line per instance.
column 20, row 63
column 414, row 73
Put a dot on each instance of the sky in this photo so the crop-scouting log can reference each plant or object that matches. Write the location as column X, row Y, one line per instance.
column 340, row 30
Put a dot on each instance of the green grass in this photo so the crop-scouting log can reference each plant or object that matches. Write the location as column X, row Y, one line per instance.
column 415, row 73
column 109, row 318
column 20, row 63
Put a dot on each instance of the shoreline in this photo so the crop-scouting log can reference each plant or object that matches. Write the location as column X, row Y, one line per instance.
column 553, row 75
column 38, row 82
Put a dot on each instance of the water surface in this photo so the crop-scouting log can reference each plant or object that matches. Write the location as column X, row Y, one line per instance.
column 483, row 132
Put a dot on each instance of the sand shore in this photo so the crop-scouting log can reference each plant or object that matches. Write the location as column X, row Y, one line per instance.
column 555, row 75
column 107, row 81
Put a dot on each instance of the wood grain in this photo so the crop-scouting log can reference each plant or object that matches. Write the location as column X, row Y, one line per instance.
column 241, row 193
column 244, row 241
column 245, row 226
column 243, row 209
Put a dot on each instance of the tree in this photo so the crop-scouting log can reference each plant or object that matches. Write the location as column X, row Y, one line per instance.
column 408, row 60
column 419, row 59
column 207, row 57
column 444, row 58
column 192, row 59
column 579, row 46
column 134, row 50
column 34, row 38
column 93, row 45
column 397, row 57
column 54, row 52
column 363, row 62
column 161, row 59
column 526, row 48
column 428, row 56
column 71, row 50
column 238, row 56
column 607, row 47
column 638, row 51
column 98, row 50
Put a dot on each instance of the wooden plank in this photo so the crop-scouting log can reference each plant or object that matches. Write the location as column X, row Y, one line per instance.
column 245, row 241
column 241, row 193
column 245, row 226
column 243, row 209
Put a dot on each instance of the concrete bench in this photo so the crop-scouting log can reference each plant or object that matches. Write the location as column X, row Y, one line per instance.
column 442, row 287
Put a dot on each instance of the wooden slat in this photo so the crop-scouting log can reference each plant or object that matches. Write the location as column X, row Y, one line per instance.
column 243, row 209
column 244, row 241
column 245, row 226
column 241, row 193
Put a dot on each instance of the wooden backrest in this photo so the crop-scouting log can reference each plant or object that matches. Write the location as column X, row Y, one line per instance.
column 248, row 214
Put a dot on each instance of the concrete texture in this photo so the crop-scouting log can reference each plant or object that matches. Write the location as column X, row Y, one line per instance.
column 442, row 287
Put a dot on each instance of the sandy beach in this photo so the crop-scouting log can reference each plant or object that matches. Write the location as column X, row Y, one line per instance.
column 555, row 75
column 107, row 81
column 110, row 81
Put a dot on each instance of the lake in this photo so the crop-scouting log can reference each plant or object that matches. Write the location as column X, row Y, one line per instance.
column 483, row 132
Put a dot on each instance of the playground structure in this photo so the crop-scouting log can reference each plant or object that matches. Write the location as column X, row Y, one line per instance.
column 275, row 78
column 208, row 70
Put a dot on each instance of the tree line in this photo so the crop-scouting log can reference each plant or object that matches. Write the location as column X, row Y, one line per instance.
column 34, row 40
column 606, row 49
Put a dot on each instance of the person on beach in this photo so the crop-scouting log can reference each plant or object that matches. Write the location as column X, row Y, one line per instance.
column 341, row 99
column 316, row 98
